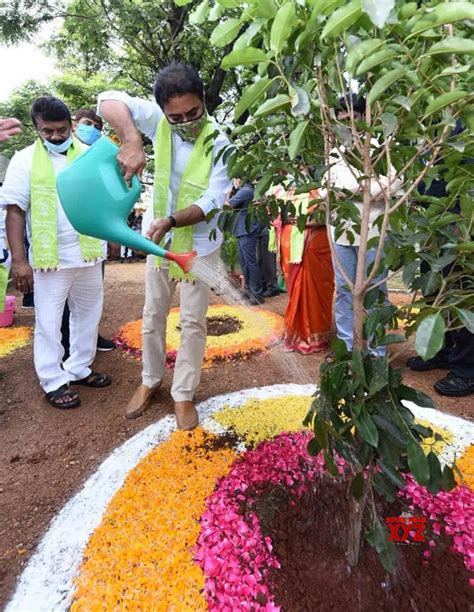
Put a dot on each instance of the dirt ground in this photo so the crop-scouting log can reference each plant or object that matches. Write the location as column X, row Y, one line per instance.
column 47, row 454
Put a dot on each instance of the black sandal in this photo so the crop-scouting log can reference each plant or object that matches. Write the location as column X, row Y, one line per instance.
column 95, row 379
column 63, row 398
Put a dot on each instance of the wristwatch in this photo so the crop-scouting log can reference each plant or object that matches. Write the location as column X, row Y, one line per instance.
column 172, row 220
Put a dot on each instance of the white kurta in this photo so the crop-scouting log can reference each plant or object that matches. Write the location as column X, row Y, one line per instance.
column 77, row 281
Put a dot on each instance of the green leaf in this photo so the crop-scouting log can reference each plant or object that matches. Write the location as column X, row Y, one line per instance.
column 467, row 317
column 393, row 431
column 342, row 19
column 282, row 26
column 389, row 122
column 381, row 85
column 391, row 339
column 360, row 51
column 357, row 367
column 300, row 101
column 297, row 137
column 376, row 59
column 330, row 464
column 243, row 57
column 200, row 13
column 392, row 473
column 418, row 463
column 436, row 476
column 357, row 486
column 385, row 486
column 417, row 397
column 225, row 32
column 339, row 348
column 387, row 551
column 452, row 44
column 273, row 105
column 430, row 336
column 313, row 447
column 367, row 429
column 250, row 95
column 267, row 8
column 444, row 100
column 324, row 7
column 448, row 478
column 446, row 12
column 320, row 432
column 216, row 12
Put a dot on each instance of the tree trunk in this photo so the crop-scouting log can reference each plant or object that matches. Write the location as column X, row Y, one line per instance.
column 354, row 538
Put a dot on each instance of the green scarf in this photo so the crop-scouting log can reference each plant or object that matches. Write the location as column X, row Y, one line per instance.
column 44, row 218
column 3, row 285
column 194, row 183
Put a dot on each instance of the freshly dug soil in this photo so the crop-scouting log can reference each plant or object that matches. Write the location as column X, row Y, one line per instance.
column 220, row 326
column 309, row 541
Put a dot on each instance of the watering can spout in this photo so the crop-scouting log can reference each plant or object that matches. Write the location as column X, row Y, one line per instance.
column 97, row 201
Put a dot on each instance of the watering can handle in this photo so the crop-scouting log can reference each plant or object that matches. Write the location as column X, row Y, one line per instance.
column 135, row 183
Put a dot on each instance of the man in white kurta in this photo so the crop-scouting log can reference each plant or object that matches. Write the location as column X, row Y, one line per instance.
column 72, row 279
column 179, row 98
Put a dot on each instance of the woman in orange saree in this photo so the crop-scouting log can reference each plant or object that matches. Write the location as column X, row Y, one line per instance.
column 305, row 259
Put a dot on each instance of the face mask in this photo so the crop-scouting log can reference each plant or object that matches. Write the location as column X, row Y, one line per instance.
column 58, row 147
column 189, row 130
column 88, row 134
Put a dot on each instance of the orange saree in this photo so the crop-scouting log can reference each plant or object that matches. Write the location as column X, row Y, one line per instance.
column 310, row 284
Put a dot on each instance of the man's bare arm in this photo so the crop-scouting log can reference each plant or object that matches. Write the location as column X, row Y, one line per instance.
column 131, row 156
column 21, row 270
column 188, row 216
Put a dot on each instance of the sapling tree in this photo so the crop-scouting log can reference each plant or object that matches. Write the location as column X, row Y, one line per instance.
column 413, row 62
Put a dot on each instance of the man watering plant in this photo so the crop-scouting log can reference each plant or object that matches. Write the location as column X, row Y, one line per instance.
column 189, row 184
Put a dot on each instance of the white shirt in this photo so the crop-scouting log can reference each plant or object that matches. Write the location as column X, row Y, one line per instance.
column 344, row 177
column 16, row 191
column 3, row 234
column 146, row 115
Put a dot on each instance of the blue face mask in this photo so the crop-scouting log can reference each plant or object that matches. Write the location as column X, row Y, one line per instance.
column 88, row 134
column 58, row 148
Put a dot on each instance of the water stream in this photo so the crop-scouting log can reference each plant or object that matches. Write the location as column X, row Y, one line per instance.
column 215, row 275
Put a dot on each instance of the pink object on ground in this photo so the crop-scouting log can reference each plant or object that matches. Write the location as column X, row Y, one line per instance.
column 6, row 317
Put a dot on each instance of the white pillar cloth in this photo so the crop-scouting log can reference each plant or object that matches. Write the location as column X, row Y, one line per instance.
column 194, row 301
column 84, row 291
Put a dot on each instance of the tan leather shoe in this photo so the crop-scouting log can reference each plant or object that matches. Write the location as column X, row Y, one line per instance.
column 140, row 401
column 186, row 415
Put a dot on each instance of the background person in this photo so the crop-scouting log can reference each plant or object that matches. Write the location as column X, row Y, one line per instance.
column 87, row 127
column 305, row 259
column 62, row 265
column 247, row 232
column 344, row 179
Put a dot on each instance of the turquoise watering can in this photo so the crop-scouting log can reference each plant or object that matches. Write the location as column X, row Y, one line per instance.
column 97, row 201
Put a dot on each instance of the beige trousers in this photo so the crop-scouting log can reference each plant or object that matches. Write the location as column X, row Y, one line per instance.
column 194, row 300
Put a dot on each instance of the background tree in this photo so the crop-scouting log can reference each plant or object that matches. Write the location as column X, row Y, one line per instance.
column 414, row 64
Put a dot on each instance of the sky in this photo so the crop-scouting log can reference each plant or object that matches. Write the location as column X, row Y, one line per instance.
column 25, row 61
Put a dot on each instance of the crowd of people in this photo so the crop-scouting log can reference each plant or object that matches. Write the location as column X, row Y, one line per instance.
column 66, row 270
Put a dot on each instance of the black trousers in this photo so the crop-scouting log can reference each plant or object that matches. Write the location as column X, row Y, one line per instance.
column 267, row 263
column 458, row 351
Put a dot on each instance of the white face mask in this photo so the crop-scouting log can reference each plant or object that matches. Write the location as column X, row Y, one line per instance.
column 58, row 148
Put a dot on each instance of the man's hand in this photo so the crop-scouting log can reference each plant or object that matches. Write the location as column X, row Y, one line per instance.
column 8, row 128
column 22, row 276
column 131, row 158
column 158, row 229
